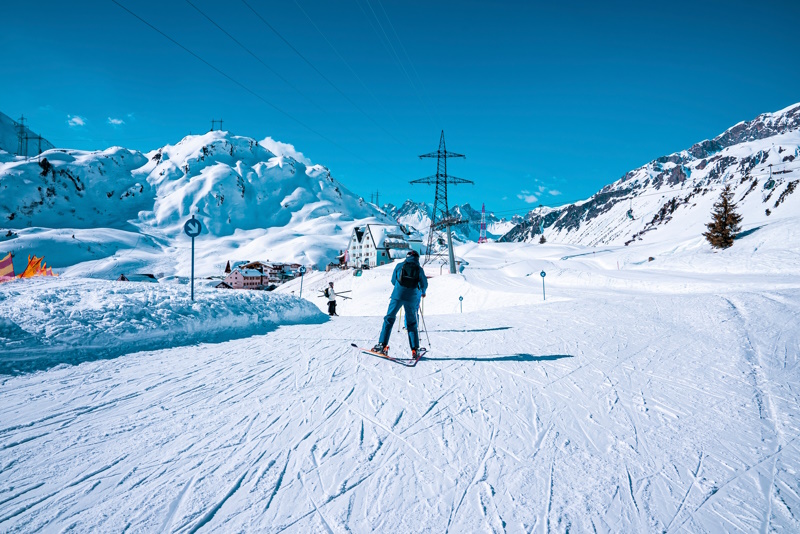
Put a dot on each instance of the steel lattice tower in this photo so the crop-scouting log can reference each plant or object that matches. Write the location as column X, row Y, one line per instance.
column 441, row 217
column 482, row 238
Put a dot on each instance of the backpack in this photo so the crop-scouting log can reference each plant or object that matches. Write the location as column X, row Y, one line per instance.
column 409, row 275
column 327, row 293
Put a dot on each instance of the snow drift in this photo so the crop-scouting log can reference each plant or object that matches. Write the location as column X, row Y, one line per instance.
column 48, row 322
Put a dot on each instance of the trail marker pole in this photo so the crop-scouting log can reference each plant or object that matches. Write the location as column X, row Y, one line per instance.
column 461, row 303
column 543, row 275
column 192, row 228
column 302, row 271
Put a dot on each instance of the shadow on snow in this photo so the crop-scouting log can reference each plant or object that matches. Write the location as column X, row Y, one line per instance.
column 475, row 330
column 501, row 358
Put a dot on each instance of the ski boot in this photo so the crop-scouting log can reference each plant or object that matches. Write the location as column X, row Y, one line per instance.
column 381, row 348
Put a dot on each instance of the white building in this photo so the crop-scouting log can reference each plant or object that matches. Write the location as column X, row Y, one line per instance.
column 379, row 244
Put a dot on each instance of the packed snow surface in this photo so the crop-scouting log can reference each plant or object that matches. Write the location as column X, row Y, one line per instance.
column 641, row 396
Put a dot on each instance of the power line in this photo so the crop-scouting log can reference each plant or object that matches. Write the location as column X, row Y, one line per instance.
column 240, row 84
column 346, row 63
column 259, row 59
column 402, row 47
column 273, row 71
column 296, row 51
column 392, row 52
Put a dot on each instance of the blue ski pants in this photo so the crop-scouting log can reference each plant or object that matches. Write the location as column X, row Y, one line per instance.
column 410, row 307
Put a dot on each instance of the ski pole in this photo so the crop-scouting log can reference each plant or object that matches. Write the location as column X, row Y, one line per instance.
column 425, row 327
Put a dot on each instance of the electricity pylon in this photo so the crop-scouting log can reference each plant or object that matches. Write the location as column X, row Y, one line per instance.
column 441, row 217
column 482, row 237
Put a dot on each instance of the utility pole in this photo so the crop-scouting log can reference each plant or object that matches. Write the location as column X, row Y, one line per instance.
column 213, row 122
column 482, row 237
column 378, row 198
column 28, row 138
column 21, row 136
column 441, row 217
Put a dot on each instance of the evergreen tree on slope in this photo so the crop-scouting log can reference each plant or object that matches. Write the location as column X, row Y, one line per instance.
column 725, row 221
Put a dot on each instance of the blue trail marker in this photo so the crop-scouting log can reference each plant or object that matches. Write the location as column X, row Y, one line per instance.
column 192, row 228
column 302, row 271
column 461, row 303
column 543, row 275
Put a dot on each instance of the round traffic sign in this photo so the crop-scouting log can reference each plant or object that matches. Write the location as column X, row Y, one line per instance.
column 460, row 298
column 193, row 227
column 543, row 274
column 302, row 270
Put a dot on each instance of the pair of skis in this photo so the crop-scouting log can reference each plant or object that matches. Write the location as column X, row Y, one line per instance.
column 408, row 362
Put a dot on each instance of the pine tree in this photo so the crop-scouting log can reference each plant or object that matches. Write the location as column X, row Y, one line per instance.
column 725, row 221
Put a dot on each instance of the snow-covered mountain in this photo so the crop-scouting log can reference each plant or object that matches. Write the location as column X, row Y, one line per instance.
column 253, row 203
column 418, row 215
column 673, row 195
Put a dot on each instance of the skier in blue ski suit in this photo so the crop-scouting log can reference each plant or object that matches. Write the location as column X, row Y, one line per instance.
column 410, row 284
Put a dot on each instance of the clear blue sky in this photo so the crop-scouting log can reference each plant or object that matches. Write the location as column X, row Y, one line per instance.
column 542, row 97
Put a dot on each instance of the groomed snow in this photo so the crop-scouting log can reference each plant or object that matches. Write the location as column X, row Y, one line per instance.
column 658, row 396
column 49, row 321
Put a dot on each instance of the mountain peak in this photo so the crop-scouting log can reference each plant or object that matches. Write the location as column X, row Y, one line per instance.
column 761, row 155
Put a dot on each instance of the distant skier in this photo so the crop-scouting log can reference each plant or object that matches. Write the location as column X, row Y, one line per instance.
column 331, row 294
column 410, row 284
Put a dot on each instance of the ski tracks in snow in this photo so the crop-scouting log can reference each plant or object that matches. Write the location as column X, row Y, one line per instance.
column 584, row 415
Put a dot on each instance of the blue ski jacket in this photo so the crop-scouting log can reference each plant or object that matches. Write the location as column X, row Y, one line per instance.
column 410, row 294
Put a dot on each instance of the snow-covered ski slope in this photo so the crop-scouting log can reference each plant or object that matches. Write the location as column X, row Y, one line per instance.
column 641, row 396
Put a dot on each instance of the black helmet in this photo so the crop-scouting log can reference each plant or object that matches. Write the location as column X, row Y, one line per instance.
column 413, row 253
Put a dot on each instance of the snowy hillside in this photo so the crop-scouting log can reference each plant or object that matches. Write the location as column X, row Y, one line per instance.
column 254, row 204
column 418, row 215
column 672, row 196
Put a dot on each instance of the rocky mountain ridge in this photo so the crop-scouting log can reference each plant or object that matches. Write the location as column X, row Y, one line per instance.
column 670, row 187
